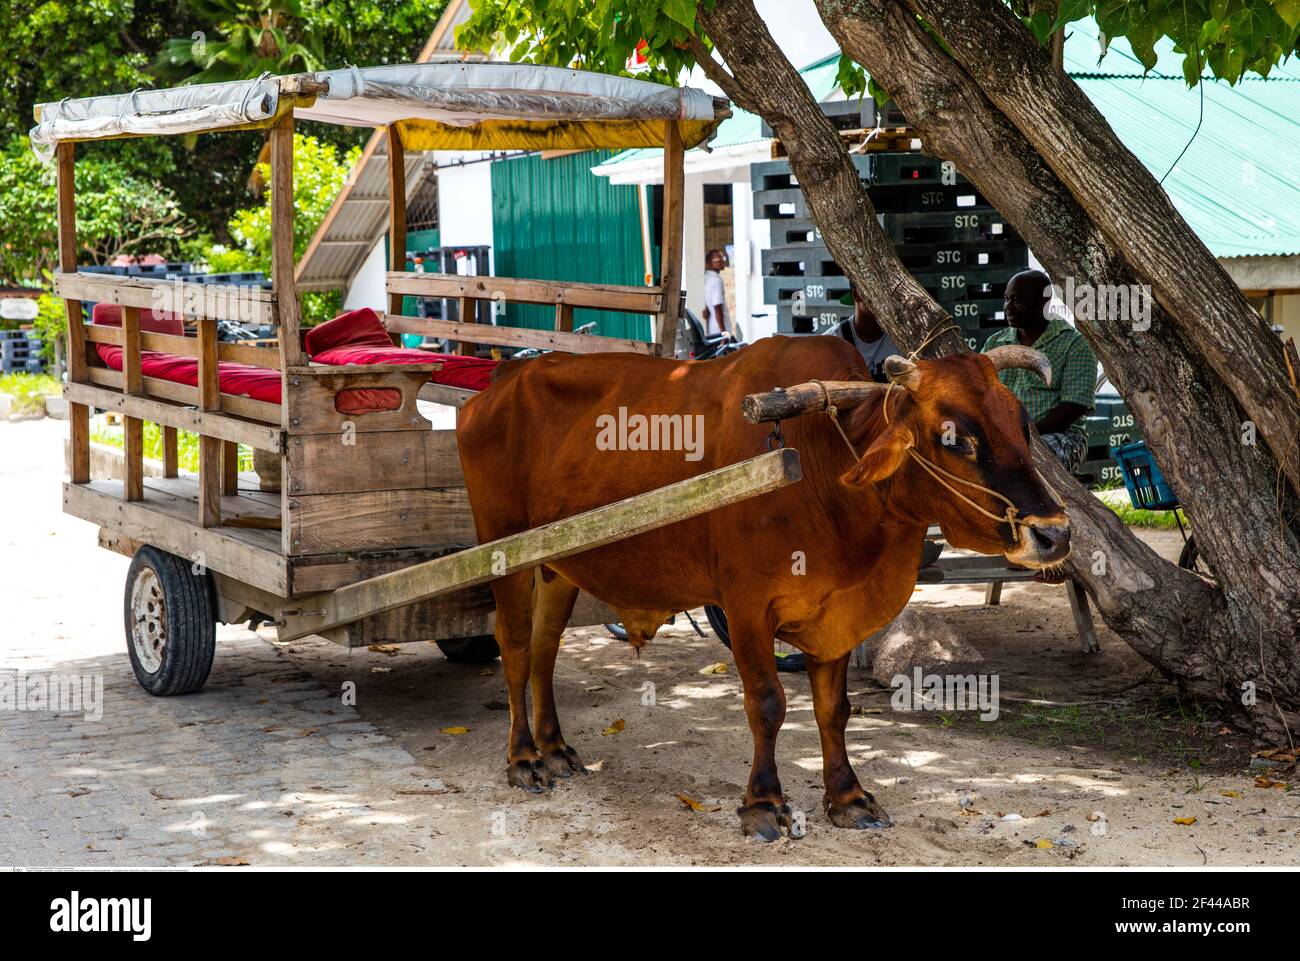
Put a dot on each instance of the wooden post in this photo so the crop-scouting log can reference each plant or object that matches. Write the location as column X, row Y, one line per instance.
column 564, row 317
column 78, row 414
column 670, row 252
column 468, row 315
column 1083, row 625
column 171, row 459
column 286, row 294
column 133, row 427
column 210, row 476
column 396, row 211
column 229, row 468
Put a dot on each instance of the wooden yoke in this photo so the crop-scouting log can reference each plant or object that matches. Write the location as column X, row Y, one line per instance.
column 807, row 398
column 670, row 253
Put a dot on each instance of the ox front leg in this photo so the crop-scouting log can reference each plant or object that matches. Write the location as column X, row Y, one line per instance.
column 846, row 803
column 765, row 811
column 552, row 606
column 514, row 597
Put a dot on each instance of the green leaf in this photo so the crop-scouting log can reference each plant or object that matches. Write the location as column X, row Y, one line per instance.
column 1072, row 10
column 1142, row 38
column 1040, row 25
column 851, row 78
column 680, row 11
column 1289, row 11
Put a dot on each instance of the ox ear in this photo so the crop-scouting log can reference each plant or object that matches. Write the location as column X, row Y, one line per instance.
column 882, row 458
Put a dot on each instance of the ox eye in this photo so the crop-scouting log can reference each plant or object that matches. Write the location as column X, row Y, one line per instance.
column 963, row 445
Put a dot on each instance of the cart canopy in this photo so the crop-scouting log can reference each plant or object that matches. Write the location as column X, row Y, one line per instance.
column 435, row 106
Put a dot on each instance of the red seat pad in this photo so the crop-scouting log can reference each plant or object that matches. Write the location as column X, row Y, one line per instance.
column 154, row 321
column 471, row 373
column 359, row 337
column 239, row 379
column 356, row 328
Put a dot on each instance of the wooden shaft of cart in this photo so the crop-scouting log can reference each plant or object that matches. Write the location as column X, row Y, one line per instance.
column 550, row 542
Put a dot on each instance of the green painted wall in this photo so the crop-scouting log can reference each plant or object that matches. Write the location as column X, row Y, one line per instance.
column 554, row 220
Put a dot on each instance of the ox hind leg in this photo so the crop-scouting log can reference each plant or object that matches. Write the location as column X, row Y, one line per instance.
column 764, row 812
column 553, row 601
column 514, row 599
column 846, row 803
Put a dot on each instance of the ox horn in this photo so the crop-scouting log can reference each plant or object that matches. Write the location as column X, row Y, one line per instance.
column 902, row 371
column 1026, row 358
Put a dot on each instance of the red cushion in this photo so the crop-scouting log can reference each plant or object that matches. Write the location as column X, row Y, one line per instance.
column 154, row 321
column 241, row 380
column 356, row 328
column 471, row 373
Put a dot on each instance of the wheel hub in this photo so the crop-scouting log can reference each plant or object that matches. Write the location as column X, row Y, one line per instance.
column 148, row 621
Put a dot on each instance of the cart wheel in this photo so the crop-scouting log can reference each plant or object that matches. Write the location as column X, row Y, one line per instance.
column 470, row 650
column 617, row 631
column 171, row 631
column 787, row 663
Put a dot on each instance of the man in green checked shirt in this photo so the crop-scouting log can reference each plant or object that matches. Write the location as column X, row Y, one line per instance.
column 1058, row 412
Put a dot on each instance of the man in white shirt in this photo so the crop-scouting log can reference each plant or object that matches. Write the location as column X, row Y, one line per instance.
column 715, row 295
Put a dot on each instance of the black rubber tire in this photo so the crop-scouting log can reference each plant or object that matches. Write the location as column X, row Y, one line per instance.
column 470, row 650
column 617, row 631
column 191, row 624
column 786, row 664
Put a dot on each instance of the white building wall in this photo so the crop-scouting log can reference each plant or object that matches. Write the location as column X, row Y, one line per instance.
column 368, row 288
column 465, row 202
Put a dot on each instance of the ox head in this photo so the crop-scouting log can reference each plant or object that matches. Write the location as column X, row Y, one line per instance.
column 956, row 451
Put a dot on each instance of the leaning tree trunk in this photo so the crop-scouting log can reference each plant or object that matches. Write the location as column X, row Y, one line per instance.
column 1129, row 206
column 1181, row 623
column 1247, row 630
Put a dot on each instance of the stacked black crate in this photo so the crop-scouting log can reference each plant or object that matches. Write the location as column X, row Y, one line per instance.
column 945, row 233
column 20, row 352
column 952, row 240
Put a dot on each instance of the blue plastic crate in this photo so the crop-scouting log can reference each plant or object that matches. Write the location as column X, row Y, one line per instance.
column 1147, row 488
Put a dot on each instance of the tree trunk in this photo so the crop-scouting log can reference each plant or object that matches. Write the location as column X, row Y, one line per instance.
column 1129, row 206
column 1176, row 620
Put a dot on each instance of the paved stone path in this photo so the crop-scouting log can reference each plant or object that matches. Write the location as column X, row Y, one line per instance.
column 268, row 766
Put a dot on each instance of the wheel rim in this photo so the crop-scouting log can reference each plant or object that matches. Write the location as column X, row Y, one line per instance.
column 148, row 620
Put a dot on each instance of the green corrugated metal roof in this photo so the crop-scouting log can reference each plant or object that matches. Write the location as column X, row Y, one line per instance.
column 1238, row 185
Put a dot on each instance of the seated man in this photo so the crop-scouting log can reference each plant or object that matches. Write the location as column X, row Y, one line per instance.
column 1058, row 412
column 863, row 331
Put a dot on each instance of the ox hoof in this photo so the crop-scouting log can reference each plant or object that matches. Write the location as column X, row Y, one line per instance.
column 860, row 814
column 564, row 762
column 530, row 776
column 764, row 820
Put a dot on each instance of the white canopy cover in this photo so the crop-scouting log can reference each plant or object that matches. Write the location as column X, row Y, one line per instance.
column 439, row 105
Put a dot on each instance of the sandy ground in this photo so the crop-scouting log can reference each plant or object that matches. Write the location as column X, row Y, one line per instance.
column 1110, row 744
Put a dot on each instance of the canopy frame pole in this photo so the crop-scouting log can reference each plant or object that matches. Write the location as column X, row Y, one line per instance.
column 670, row 254
column 282, row 261
column 78, row 414
column 396, row 214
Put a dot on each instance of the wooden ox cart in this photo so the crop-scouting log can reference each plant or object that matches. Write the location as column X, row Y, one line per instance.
column 370, row 537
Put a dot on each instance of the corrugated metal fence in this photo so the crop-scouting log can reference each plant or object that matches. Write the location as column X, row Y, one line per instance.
column 553, row 220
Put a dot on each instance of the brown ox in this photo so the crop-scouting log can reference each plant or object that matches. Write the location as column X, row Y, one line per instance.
column 820, row 564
